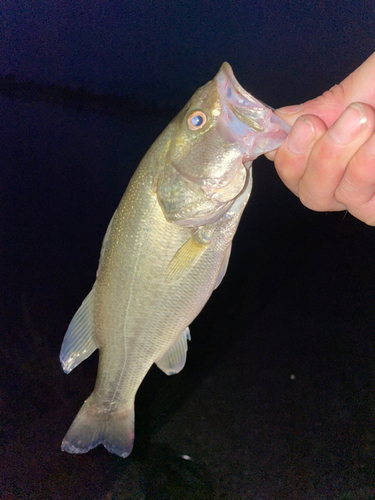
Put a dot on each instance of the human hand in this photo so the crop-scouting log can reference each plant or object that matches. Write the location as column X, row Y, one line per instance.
column 328, row 158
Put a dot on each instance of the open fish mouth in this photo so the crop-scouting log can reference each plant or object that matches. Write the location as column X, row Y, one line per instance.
column 246, row 120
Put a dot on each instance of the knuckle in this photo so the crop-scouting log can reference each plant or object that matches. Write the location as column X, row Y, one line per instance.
column 365, row 213
column 335, row 94
column 333, row 102
column 345, row 192
column 288, row 167
column 309, row 201
column 319, row 200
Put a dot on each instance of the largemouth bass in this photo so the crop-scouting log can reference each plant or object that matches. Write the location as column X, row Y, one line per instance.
column 165, row 250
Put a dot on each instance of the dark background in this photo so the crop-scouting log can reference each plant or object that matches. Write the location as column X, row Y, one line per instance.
column 277, row 400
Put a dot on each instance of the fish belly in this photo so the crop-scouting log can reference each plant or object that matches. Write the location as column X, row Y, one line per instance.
column 138, row 314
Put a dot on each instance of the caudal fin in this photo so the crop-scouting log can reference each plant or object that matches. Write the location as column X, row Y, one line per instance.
column 93, row 426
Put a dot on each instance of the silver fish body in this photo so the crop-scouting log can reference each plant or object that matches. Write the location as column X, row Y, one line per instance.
column 166, row 249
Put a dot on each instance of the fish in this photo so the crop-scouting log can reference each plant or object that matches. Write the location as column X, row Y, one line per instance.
column 165, row 251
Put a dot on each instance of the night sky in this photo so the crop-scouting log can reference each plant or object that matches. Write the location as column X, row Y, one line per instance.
column 278, row 48
column 277, row 399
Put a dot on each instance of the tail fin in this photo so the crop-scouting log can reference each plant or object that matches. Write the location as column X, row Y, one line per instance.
column 93, row 426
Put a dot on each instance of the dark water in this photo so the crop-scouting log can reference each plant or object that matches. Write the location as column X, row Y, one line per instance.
column 277, row 400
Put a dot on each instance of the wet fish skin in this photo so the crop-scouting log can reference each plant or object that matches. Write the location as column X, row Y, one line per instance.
column 166, row 249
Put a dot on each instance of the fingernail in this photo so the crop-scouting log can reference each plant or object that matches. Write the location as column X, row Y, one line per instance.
column 350, row 124
column 288, row 110
column 301, row 136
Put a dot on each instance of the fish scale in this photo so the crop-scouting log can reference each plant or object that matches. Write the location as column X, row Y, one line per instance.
column 164, row 252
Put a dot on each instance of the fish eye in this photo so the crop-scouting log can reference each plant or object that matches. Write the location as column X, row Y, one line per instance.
column 196, row 120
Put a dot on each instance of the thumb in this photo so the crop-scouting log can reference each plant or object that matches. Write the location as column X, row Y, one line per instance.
column 357, row 87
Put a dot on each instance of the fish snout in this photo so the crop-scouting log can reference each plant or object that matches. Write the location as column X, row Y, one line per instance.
column 245, row 120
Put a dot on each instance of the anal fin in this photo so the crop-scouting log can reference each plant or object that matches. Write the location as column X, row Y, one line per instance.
column 174, row 359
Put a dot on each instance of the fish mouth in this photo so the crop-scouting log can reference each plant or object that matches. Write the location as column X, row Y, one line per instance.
column 246, row 120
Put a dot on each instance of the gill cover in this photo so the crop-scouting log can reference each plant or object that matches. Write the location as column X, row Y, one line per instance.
column 216, row 137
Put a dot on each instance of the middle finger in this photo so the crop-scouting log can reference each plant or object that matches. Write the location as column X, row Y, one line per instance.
column 330, row 156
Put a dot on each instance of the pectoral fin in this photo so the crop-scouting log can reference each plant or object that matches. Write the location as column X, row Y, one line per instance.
column 79, row 341
column 174, row 359
column 188, row 255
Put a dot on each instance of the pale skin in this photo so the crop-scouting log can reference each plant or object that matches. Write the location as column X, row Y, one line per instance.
column 328, row 159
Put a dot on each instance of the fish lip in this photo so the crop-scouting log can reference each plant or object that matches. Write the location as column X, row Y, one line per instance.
column 237, row 101
column 245, row 120
column 226, row 68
